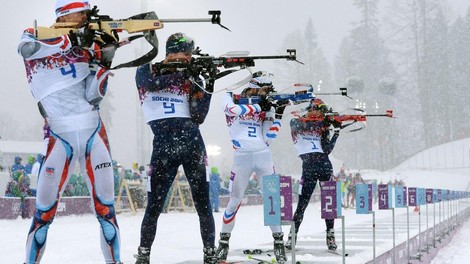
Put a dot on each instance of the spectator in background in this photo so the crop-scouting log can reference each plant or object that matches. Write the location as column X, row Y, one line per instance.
column 214, row 190
column 17, row 166
column 23, row 184
column 341, row 177
column 357, row 179
column 117, row 182
column 34, row 174
column 29, row 166
column 348, row 186
column 13, row 190
column 135, row 171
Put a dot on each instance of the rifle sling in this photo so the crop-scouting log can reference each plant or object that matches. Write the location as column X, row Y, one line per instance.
column 151, row 38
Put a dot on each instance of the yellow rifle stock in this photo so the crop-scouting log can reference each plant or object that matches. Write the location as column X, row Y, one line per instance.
column 146, row 23
column 128, row 25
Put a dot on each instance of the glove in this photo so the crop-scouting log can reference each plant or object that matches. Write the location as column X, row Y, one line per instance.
column 83, row 38
column 336, row 130
column 265, row 104
column 193, row 70
column 280, row 107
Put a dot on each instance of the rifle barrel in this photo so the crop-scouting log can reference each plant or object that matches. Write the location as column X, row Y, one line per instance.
column 377, row 115
column 288, row 57
column 185, row 20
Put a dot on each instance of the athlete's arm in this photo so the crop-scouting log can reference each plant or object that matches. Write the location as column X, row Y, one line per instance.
column 232, row 109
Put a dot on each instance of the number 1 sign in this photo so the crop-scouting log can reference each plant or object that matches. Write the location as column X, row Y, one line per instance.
column 271, row 200
column 330, row 199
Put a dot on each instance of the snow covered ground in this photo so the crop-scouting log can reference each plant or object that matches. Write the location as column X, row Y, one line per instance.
column 75, row 239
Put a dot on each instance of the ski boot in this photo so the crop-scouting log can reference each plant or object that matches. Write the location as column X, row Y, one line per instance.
column 279, row 250
column 142, row 256
column 222, row 250
column 330, row 240
column 289, row 242
column 210, row 255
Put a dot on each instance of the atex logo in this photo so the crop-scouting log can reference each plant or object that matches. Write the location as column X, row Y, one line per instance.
column 103, row 165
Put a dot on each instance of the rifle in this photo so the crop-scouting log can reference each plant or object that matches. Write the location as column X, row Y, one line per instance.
column 342, row 121
column 207, row 66
column 297, row 97
column 146, row 23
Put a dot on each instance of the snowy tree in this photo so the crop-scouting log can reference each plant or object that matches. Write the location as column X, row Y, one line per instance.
column 429, row 56
column 315, row 70
column 459, row 96
column 363, row 65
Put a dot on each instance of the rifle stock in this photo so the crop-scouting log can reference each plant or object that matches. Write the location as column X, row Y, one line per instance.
column 108, row 27
column 146, row 23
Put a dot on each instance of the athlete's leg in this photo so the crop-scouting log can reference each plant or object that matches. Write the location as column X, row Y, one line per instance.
column 325, row 173
column 242, row 169
column 52, row 179
column 195, row 170
column 162, row 173
column 307, row 182
column 96, row 163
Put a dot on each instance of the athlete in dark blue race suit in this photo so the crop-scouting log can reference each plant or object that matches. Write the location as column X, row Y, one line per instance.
column 174, row 107
column 313, row 143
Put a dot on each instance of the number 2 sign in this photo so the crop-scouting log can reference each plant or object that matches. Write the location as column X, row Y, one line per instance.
column 330, row 200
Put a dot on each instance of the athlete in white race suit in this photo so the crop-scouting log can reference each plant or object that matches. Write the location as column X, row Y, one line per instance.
column 67, row 83
column 252, row 127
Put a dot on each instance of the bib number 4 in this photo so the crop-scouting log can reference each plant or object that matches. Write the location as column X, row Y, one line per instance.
column 72, row 70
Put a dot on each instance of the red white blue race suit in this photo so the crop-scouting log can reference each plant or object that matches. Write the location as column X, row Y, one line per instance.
column 67, row 86
column 252, row 131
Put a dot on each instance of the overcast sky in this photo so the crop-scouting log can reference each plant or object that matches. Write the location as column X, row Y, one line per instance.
column 257, row 26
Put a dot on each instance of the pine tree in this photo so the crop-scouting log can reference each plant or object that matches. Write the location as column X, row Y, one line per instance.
column 364, row 67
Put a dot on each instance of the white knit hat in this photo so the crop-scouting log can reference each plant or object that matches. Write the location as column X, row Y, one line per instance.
column 260, row 79
column 65, row 7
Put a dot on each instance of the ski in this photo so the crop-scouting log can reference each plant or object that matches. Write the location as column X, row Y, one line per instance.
column 336, row 252
column 263, row 261
column 259, row 251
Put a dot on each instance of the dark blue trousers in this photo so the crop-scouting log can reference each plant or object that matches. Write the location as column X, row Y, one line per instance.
column 315, row 167
column 177, row 141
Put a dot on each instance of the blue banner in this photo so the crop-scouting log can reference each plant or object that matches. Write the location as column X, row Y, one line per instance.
column 399, row 196
column 445, row 195
column 421, row 196
column 272, row 200
column 362, row 198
